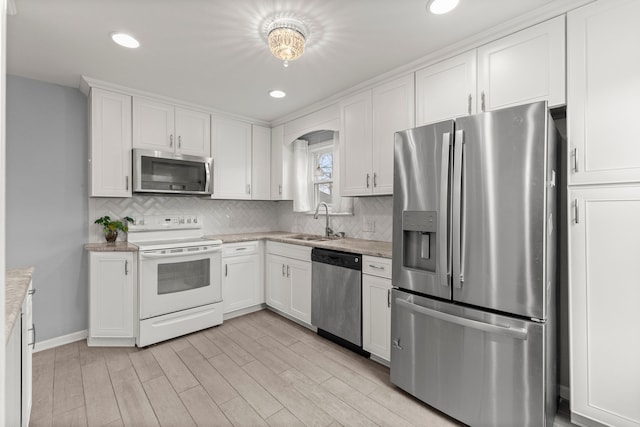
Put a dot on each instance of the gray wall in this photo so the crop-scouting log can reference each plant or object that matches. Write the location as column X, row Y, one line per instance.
column 47, row 199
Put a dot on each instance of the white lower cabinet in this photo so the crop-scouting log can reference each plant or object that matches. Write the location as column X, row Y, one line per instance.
column 603, row 305
column 289, row 280
column 112, row 299
column 242, row 278
column 18, row 367
column 376, row 306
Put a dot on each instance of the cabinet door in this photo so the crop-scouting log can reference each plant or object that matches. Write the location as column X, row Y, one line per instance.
column 153, row 125
column 393, row 110
column 277, row 163
column 261, row 163
column 355, row 145
column 603, row 92
column 603, row 298
column 241, row 282
column 278, row 284
column 376, row 316
column 446, row 90
column 231, row 152
column 300, row 274
column 110, row 152
column 193, row 130
column 111, row 295
column 28, row 344
column 525, row 67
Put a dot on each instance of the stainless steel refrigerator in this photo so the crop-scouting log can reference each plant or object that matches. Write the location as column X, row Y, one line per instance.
column 474, row 266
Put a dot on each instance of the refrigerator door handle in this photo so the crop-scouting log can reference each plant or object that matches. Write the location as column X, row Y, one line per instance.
column 456, row 223
column 445, row 258
column 518, row 333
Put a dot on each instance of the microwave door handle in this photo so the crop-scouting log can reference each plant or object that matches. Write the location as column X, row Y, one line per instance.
column 208, row 166
column 178, row 254
column 445, row 261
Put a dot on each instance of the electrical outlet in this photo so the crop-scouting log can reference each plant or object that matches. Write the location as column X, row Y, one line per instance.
column 368, row 225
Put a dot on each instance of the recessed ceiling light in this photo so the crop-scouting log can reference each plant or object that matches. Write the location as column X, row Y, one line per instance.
column 438, row 7
column 277, row 93
column 125, row 40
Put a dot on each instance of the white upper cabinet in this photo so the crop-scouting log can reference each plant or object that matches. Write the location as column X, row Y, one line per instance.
column 393, row 110
column 525, row 67
column 164, row 127
column 260, row 163
column 446, row 90
column 280, row 165
column 110, row 145
column 369, row 121
column 356, row 145
column 603, row 304
column 193, row 130
column 603, row 92
column 231, row 152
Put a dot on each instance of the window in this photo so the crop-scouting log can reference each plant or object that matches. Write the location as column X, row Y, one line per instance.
column 321, row 161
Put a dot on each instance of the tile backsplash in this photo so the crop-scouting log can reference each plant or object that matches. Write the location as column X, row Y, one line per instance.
column 243, row 216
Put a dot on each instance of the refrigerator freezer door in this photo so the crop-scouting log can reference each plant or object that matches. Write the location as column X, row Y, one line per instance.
column 421, row 253
column 482, row 369
column 499, row 227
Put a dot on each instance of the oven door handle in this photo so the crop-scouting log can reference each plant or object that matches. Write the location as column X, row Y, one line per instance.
column 144, row 254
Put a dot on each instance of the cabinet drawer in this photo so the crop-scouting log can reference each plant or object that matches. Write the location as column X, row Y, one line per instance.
column 237, row 249
column 376, row 266
column 300, row 252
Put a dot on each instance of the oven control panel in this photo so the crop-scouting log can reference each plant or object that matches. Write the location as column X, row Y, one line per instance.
column 166, row 222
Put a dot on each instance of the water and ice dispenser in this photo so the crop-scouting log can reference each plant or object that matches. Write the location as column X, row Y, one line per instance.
column 419, row 240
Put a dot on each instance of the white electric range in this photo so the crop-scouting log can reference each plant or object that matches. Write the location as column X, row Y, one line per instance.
column 179, row 277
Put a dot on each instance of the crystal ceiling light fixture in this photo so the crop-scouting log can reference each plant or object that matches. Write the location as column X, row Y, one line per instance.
column 439, row 7
column 287, row 38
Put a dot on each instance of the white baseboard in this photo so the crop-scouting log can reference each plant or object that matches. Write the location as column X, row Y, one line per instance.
column 243, row 311
column 58, row 341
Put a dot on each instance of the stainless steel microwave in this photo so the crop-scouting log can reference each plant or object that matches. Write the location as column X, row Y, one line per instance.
column 162, row 172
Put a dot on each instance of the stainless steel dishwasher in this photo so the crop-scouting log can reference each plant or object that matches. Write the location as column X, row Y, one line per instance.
column 336, row 297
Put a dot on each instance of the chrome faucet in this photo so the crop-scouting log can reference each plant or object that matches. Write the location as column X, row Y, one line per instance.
column 327, row 230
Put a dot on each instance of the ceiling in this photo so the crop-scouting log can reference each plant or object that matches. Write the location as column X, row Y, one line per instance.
column 214, row 52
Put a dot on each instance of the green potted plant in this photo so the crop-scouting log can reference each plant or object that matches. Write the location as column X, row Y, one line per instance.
column 111, row 228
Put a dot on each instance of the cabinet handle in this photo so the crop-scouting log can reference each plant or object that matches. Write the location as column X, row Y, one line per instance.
column 469, row 99
column 375, row 179
column 482, row 101
column 376, row 267
column 248, row 188
column 288, row 272
column 33, row 344
column 368, row 179
column 280, row 189
column 388, row 297
column 31, row 291
column 242, row 249
column 576, row 211
column 226, row 270
column 574, row 154
column 171, row 140
column 179, row 141
column 282, row 270
column 126, row 268
column 126, row 183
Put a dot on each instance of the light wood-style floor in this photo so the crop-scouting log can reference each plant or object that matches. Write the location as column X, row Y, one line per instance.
column 255, row 370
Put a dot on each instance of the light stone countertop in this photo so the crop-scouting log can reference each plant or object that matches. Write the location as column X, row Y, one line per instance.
column 356, row 246
column 18, row 280
column 111, row 247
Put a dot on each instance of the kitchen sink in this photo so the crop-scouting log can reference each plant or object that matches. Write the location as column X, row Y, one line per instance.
column 306, row 237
